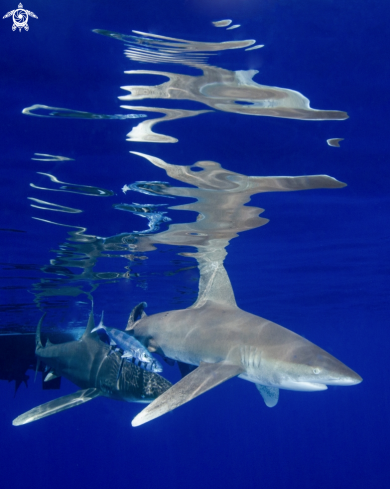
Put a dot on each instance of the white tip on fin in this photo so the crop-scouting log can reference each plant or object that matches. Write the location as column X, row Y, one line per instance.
column 200, row 380
column 270, row 394
column 50, row 376
column 57, row 405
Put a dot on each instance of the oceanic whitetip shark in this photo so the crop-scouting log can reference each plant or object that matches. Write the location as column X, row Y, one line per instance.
column 224, row 341
column 214, row 334
column 92, row 365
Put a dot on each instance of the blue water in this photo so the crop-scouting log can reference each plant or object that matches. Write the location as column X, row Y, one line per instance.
column 319, row 267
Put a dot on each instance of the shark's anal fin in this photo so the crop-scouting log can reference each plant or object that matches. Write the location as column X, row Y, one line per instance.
column 270, row 394
column 202, row 379
column 57, row 405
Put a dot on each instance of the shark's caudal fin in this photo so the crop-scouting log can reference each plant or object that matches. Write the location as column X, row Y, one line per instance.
column 57, row 405
column 90, row 325
column 137, row 313
column 204, row 378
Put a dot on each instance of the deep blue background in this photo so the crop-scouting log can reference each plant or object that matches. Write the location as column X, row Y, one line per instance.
column 320, row 267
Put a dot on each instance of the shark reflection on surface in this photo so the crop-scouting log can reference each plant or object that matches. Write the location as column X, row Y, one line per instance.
column 218, row 88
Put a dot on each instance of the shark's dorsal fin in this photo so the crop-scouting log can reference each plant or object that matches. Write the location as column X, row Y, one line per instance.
column 137, row 313
column 90, row 325
column 57, row 405
column 48, row 343
column 204, row 378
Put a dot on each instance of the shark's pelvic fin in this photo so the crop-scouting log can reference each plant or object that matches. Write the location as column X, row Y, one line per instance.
column 137, row 313
column 204, row 378
column 90, row 325
column 270, row 394
column 57, row 405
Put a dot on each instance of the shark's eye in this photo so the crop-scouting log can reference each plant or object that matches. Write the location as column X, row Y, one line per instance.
column 316, row 371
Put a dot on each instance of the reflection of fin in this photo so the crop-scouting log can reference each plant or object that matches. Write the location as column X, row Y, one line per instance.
column 214, row 284
column 204, row 378
column 90, row 325
column 57, row 405
column 137, row 313
column 185, row 368
column 270, row 394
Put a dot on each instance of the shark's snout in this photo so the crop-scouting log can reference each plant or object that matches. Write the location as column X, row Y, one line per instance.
column 352, row 379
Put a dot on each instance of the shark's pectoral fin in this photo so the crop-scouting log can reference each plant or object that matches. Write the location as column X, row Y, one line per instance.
column 204, row 378
column 270, row 394
column 57, row 405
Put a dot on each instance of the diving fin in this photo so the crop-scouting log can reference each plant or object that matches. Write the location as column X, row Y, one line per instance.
column 57, row 405
column 202, row 379
column 270, row 394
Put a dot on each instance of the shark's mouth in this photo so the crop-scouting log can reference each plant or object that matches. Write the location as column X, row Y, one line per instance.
column 302, row 386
